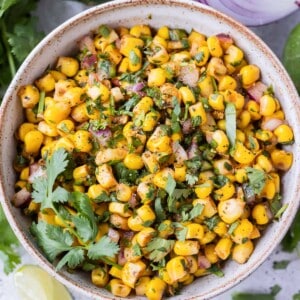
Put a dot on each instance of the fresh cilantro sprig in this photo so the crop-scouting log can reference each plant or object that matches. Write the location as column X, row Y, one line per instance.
column 82, row 226
column 159, row 248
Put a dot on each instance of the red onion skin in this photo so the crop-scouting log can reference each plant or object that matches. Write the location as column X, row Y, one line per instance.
column 271, row 124
column 88, row 62
column 113, row 235
column 203, row 262
column 35, row 171
column 87, row 43
column 179, row 152
column 102, row 135
column 189, row 75
column 121, row 257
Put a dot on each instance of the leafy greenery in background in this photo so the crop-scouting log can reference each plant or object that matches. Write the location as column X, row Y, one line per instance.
column 291, row 56
column 18, row 35
column 8, row 243
column 292, row 238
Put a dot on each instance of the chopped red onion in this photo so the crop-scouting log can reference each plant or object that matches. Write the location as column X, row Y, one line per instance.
column 102, row 135
column 114, row 235
column 87, row 43
column 179, row 152
column 192, row 150
column 189, row 75
column 203, row 262
column 271, row 124
column 22, row 197
column 36, row 170
column 256, row 91
column 88, row 61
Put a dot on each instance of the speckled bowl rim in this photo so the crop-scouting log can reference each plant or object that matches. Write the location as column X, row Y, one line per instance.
column 57, row 33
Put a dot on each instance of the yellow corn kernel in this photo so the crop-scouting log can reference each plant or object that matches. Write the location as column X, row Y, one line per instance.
column 24, row 173
column 234, row 55
column 145, row 192
column 163, row 32
column 194, row 231
column 196, row 36
column 179, row 173
column 98, row 91
column 57, row 75
column 225, row 192
column 135, row 60
column 223, row 166
column 120, row 209
column 165, row 229
column 244, row 119
column 206, row 86
column 47, row 215
column 249, row 74
column 113, row 53
column 135, row 223
column 284, row 134
column 82, row 77
column 240, row 175
column 73, row 96
column 197, row 110
column 187, row 95
column 267, row 105
column 210, row 253
column 223, row 248
column 227, row 83
column 264, row 162
column 29, row 96
column 159, row 55
column 222, row 125
column 242, row 155
column 57, row 112
column 131, row 272
column 209, row 209
column 151, row 162
column 120, row 222
column 276, row 179
column 255, row 233
column 181, row 56
column 143, row 106
column 47, row 129
column 145, row 235
column 105, row 176
column 201, row 54
column 78, row 188
column 220, row 229
column 64, row 142
column 260, row 214
column 24, row 129
column 146, row 214
column 263, row 135
column 46, row 83
column 281, row 159
column 33, row 141
column 83, row 141
column 214, row 46
column 81, row 173
column 158, row 40
column 109, row 154
column 164, row 275
column 208, row 237
column 156, row 77
column 119, row 288
column 278, row 115
column 230, row 210
column 242, row 252
column 200, row 272
column 242, row 232
column 176, row 267
column 79, row 113
column 124, row 65
column 160, row 178
column 151, row 120
column 128, row 43
column 234, row 97
column 67, row 65
column 141, row 285
column 20, row 184
column 253, row 108
column 216, row 101
column 123, row 192
column 100, row 277
column 65, row 127
column 33, row 207
column 269, row 189
column 155, row 289
column 192, row 264
column 204, row 190
column 115, row 272
column 159, row 144
column 133, row 161
column 186, row 248
column 221, row 140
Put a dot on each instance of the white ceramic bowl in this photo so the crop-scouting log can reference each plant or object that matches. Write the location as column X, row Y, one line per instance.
column 174, row 13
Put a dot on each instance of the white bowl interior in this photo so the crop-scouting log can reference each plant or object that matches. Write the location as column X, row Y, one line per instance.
column 183, row 14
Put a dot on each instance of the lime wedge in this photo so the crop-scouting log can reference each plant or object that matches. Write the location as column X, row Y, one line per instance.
column 32, row 283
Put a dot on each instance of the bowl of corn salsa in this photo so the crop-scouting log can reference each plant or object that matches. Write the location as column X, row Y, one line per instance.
column 148, row 149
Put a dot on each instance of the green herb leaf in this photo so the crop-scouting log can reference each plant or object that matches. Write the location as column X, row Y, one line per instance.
column 212, row 222
column 159, row 248
column 280, row 265
column 72, row 259
column 171, row 184
column 214, row 269
column 191, row 179
column 52, row 239
column 133, row 58
column 233, row 226
column 296, row 296
column 292, row 238
column 136, row 250
column 159, row 211
column 196, row 211
column 230, row 118
column 8, row 243
column 257, row 179
column 180, row 231
column 104, row 247
column 291, row 58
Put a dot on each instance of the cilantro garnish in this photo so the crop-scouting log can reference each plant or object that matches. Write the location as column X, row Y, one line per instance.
column 159, row 248
column 257, row 179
